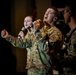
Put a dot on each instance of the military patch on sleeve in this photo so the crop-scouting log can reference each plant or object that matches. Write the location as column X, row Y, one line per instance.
column 52, row 38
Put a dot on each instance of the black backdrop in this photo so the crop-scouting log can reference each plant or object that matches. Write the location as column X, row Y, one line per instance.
column 62, row 26
column 7, row 61
column 59, row 3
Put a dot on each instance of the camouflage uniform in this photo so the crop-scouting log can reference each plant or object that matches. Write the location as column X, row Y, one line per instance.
column 55, row 39
column 70, row 58
column 38, row 61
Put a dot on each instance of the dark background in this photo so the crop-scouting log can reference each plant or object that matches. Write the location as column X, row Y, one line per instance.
column 8, row 60
column 59, row 3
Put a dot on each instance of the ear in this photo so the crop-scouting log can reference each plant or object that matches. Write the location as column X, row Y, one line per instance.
column 69, row 13
column 55, row 18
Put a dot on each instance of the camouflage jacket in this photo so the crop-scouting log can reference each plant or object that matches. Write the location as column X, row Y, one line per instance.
column 36, row 50
column 36, row 46
column 71, row 45
column 54, row 36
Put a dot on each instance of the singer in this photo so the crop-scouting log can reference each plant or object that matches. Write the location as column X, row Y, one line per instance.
column 28, row 24
column 38, row 62
column 38, row 51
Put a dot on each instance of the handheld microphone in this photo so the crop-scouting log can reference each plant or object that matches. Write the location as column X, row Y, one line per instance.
column 22, row 29
column 30, row 26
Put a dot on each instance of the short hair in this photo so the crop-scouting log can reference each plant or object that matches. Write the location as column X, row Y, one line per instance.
column 56, row 11
column 71, row 5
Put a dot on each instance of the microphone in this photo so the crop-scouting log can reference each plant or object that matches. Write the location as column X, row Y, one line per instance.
column 30, row 26
column 22, row 29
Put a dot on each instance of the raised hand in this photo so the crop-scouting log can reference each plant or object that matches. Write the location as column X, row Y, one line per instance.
column 4, row 33
column 36, row 24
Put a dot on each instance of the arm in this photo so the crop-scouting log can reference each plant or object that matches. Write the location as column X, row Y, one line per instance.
column 55, row 38
column 16, row 42
column 73, row 42
column 54, row 35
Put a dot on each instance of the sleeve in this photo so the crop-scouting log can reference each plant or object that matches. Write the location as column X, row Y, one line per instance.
column 73, row 40
column 55, row 36
column 44, row 31
column 18, row 42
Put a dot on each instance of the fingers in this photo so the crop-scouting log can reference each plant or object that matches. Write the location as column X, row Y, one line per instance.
column 4, row 33
column 36, row 22
column 21, row 32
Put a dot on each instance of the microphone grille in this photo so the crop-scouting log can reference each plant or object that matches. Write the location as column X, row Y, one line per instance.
column 23, row 28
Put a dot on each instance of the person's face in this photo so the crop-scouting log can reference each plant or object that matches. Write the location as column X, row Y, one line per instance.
column 66, row 15
column 49, row 15
column 27, row 22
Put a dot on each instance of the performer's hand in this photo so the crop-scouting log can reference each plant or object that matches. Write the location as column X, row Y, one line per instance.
column 4, row 33
column 36, row 25
column 21, row 34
